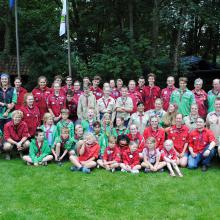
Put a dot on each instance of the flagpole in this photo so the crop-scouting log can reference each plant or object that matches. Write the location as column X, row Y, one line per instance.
column 68, row 37
column 17, row 39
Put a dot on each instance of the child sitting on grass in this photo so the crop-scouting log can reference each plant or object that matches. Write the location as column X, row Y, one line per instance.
column 63, row 144
column 88, row 150
column 111, row 158
column 65, row 122
column 170, row 157
column 49, row 129
column 39, row 151
column 151, row 157
column 131, row 159
column 107, row 124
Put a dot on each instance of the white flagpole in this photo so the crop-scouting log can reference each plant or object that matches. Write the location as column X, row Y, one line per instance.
column 17, row 39
column 68, row 37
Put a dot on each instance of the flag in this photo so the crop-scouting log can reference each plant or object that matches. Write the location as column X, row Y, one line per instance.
column 11, row 3
column 63, row 19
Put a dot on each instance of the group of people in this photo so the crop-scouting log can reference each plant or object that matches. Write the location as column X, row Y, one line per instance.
column 116, row 127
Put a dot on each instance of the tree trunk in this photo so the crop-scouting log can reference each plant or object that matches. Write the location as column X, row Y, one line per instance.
column 131, row 18
column 176, row 37
column 155, row 31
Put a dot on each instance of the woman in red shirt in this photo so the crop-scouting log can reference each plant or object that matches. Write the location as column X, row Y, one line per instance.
column 41, row 94
column 31, row 114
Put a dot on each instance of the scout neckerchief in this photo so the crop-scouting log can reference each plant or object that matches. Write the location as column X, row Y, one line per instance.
column 106, row 104
column 39, row 148
column 63, row 141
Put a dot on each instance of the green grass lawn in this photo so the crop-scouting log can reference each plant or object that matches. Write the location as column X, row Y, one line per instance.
column 54, row 192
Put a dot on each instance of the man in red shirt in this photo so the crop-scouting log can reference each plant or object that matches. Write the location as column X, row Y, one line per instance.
column 178, row 133
column 15, row 134
column 150, row 92
column 166, row 92
column 41, row 94
column 20, row 93
column 141, row 85
column 201, row 146
column 77, row 92
column 56, row 102
column 155, row 131
column 115, row 93
column 134, row 94
column 96, row 90
column 88, row 151
column 68, row 85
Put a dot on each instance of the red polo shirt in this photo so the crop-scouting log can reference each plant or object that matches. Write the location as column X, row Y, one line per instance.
column 136, row 97
column 32, row 118
column 201, row 100
column 56, row 103
column 165, row 96
column 76, row 95
column 97, row 92
column 140, row 90
column 20, row 97
column 199, row 140
column 65, row 89
column 169, row 154
column 112, row 154
column 131, row 158
column 15, row 132
column 179, row 136
column 150, row 94
column 139, row 139
column 115, row 93
column 40, row 97
column 90, row 151
column 159, row 135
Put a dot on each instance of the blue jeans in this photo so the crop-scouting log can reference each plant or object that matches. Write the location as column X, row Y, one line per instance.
column 193, row 162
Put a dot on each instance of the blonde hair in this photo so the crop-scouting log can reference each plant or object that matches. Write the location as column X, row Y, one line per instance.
column 17, row 112
column 151, row 140
column 46, row 117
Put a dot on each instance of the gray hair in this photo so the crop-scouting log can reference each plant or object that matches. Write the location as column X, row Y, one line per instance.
column 198, row 81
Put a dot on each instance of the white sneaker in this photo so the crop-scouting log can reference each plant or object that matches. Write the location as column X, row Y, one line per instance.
column 134, row 171
column 113, row 170
column 124, row 171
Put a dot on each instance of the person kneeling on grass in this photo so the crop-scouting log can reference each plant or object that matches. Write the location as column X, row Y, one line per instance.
column 16, row 135
column 88, row 151
column 169, row 156
column 39, row 151
column 63, row 145
column 131, row 159
column 151, row 157
column 111, row 157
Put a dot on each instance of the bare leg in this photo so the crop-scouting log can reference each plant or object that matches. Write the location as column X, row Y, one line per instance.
column 74, row 160
column 183, row 161
column 170, row 169
column 177, row 170
column 27, row 159
column 89, row 164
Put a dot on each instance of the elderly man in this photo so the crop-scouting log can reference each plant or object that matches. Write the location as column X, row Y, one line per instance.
column 212, row 94
column 201, row 97
column 201, row 146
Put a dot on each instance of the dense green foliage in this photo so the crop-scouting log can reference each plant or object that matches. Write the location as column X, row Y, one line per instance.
column 114, row 37
column 54, row 192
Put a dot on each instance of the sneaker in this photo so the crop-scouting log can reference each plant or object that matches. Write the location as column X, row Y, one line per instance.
column 29, row 164
column 134, row 171
column 86, row 170
column 44, row 163
column 113, row 170
column 161, row 170
column 98, row 167
column 73, row 168
column 124, row 171
column 7, row 157
column 204, row 168
column 147, row 170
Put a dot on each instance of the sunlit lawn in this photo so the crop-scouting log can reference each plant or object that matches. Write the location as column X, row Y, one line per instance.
column 55, row 192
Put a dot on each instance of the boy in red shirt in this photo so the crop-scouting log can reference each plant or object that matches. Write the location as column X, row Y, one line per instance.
column 111, row 157
column 131, row 159
column 88, row 151
column 15, row 134
column 169, row 156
